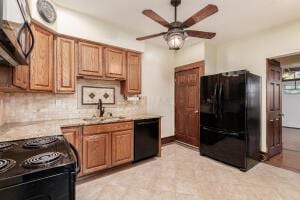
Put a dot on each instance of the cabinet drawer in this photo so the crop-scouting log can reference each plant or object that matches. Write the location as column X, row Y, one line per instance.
column 104, row 128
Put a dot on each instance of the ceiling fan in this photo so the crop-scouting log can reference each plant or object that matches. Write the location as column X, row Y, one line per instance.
column 176, row 34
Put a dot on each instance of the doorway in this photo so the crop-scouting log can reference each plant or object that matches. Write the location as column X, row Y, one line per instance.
column 187, row 97
column 283, row 124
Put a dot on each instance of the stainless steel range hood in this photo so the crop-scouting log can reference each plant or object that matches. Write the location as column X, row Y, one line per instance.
column 16, row 37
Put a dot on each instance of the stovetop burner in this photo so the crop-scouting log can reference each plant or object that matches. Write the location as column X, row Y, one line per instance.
column 42, row 160
column 6, row 145
column 39, row 142
column 6, row 164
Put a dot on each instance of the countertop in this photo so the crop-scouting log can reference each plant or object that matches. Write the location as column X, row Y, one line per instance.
column 26, row 130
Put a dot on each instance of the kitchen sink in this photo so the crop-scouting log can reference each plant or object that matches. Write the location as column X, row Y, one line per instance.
column 102, row 119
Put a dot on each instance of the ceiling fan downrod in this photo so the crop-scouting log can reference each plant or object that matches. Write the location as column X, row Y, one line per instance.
column 175, row 3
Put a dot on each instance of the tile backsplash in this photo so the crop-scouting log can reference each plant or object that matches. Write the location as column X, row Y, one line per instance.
column 22, row 107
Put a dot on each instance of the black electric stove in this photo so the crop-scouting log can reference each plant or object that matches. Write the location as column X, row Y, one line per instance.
column 38, row 169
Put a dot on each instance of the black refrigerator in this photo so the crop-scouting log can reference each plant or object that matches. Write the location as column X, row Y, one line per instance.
column 230, row 118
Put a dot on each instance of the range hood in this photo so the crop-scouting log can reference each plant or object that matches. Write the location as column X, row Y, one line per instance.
column 16, row 37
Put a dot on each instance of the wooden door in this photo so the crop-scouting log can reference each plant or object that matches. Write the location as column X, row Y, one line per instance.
column 90, row 59
column 41, row 62
column 187, row 93
column 274, row 108
column 132, row 84
column 122, row 147
column 96, row 152
column 65, row 65
column 21, row 76
column 74, row 136
column 115, row 63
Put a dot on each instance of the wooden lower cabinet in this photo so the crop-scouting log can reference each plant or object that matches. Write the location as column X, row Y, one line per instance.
column 106, row 146
column 74, row 136
column 96, row 152
column 122, row 147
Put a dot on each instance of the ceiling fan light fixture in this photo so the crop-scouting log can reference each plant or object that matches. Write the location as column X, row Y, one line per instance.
column 175, row 40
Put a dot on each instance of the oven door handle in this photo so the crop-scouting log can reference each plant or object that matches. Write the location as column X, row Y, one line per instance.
column 78, row 165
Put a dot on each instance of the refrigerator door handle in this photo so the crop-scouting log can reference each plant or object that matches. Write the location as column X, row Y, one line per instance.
column 212, row 130
column 220, row 100
column 215, row 101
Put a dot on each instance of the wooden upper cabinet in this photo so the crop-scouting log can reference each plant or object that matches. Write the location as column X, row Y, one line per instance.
column 21, row 76
column 96, row 152
column 90, row 59
column 122, row 147
column 132, row 85
column 65, row 65
column 115, row 63
column 41, row 62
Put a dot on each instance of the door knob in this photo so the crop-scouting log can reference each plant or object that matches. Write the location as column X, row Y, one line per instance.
column 196, row 111
column 281, row 115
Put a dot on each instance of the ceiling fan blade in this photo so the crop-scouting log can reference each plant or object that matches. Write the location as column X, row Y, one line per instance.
column 152, row 15
column 151, row 36
column 201, row 34
column 200, row 15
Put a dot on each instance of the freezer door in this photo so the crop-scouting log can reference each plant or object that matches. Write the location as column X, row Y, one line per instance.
column 232, row 101
column 228, row 147
column 208, row 101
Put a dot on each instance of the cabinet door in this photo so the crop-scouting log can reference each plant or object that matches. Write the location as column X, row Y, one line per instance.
column 115, row 62
column 65, row 65
column 133, row 81
column 90, row 59
column 21, row 76
column 73, row 136
column 41, row 63
column 122, row 147
column 96, row 152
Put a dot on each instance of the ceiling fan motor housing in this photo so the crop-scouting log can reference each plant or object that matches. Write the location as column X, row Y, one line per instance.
column 175, row 3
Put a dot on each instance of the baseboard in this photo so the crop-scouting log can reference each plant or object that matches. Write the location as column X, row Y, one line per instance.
column 290, row 127
column 264, row 156
column 167, row 140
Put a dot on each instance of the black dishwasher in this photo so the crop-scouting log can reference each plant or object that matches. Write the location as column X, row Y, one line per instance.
column 146, row 138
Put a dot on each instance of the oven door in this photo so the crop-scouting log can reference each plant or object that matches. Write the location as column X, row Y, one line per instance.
column 16, row 37
column 56, row 187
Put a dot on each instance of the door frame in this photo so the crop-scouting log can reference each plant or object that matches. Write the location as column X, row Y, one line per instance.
column 268, row 136
column 199, row 65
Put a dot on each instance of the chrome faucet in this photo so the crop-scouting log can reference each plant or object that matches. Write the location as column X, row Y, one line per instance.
column 101, row 108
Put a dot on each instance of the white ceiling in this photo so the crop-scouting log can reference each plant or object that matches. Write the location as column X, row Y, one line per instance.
column 235, row 19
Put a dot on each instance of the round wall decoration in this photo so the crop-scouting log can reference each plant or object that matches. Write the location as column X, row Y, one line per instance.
column 46, row 11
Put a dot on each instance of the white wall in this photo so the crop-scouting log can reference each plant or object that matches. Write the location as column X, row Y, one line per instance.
column 190, row 54
column 251, row 53
column 73, row 23
column 158, row 84
column 198, row 52
column 210, row 53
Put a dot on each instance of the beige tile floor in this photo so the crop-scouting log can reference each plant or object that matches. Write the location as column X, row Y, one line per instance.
column 181, row 173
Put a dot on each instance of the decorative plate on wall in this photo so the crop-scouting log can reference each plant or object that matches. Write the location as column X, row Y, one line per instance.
column 91, row 95
column 46, row 11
